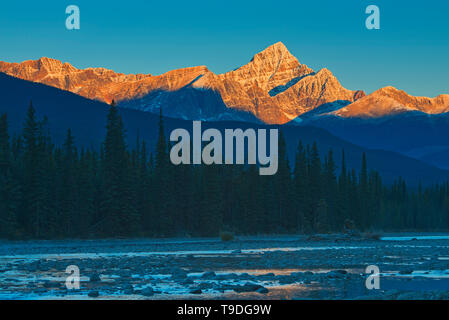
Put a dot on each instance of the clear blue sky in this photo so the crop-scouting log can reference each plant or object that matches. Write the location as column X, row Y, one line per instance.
column 411, row 51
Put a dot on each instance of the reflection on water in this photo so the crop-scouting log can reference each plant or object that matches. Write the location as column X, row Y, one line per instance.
column 280, row 272
column 197, row 253
column 288, row 249
column 409, row 238
column 435, row 274
column 306, row 269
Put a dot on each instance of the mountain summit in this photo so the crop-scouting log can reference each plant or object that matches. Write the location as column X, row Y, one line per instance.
column 391, row 101
column 93, row 83
column 273, row 86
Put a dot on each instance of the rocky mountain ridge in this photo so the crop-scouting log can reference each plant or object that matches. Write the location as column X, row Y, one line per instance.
column 273, row 87
column 390, row 101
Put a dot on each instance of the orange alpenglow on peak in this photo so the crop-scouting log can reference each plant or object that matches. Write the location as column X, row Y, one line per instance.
column 93, row 83
column 391, row 101
column 274, row 86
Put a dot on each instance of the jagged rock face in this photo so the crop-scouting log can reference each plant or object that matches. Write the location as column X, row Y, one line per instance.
column 272, row 68
column 98, row 83
column 391, row 101
column 273, row 86
column 94, row 83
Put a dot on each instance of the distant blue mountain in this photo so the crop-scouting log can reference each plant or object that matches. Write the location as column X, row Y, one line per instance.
column 415, row 134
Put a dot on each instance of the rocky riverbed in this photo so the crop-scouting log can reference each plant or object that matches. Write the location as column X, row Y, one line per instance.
column 293, row 267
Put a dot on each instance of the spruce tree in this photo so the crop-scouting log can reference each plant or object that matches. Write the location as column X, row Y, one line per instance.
column 342, row 201
column 365, row 214
column 162, row 179
column 331, row 190
column 322, row 219
column 114, row 165
column 34, row 205
column 9, row 190
column 68, row 211
column 283, row 190
column 300, row 182
column 315, row 184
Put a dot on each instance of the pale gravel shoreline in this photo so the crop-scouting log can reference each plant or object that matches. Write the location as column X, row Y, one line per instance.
column 287, row 267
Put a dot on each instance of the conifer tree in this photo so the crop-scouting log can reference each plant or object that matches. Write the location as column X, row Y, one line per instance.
column 331, row 189
column 315, row 184
column 283, row 189
column 67, row 190
column 115, row 165
column 364, row 195
column 210, row 213
column 34, row 206
column 50, row 191
column 342, row 202
column 9, row 192
column 300, row 182
column 322, row 219
column 162, row 220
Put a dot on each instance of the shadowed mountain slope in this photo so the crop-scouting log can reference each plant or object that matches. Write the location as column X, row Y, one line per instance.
column 87, row 119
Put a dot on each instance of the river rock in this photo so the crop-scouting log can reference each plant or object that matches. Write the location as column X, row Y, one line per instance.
column 147, row 292
column 196, row 291
column 93, row 294
column 95, row 278
column 263, row 290
column 248, row 287
column 209, row 275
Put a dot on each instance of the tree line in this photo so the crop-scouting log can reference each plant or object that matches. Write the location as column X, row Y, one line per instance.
column 55, row 192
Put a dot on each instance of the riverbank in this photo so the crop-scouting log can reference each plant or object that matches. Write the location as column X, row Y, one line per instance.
column 283, row 267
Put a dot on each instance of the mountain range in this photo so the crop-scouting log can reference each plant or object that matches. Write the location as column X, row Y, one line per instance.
column 87, row 120
column 272, row 88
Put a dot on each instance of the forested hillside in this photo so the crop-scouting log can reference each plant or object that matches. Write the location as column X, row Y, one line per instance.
column 52, row 192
